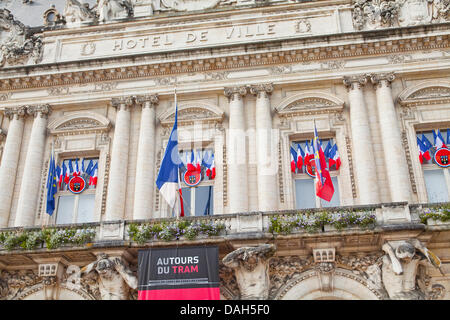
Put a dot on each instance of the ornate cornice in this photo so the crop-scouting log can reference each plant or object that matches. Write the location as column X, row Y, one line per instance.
column 142, row 69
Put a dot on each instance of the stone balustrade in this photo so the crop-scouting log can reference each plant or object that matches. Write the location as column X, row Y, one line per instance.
column 236, row 226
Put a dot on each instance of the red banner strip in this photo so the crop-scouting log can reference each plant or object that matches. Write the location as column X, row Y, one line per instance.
column 180, row 294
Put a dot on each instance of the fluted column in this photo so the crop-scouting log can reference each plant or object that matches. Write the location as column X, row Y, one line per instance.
column 393, row 149
column 10, row 160
column 237, row 155
column 266, row 149
column 115, row 202
column 364, row 160
column 31, row 179
column 143, row 194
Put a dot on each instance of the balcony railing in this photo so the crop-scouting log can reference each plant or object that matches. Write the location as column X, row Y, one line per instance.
column 217, row 227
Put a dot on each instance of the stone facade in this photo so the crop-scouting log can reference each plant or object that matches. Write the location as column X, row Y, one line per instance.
column 99, row 81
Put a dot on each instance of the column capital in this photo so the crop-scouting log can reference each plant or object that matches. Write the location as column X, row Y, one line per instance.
column 233, row 93
column 41, row 110
column 355, row 82
column 123, row 102
column 380, row 79
column 263, row 88
column 17, row 112
column 147, row 100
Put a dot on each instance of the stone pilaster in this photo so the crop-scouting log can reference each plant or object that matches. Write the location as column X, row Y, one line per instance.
column 145, row 167
column 364, row 160
column 393, row 149
column 31, row 179
column 236, row 147
column 251, row 268
column 266, row 149
column 10, row 160
column 115, row 202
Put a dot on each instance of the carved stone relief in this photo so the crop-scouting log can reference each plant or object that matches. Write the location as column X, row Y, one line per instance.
column 109, row 10
column 76, row 13
column 17, row 44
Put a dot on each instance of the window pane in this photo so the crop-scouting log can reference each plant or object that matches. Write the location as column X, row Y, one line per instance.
column 436, row 186
column 304, row 193
column 186, row 193
column 86, row 204
column 65, row 209
column 335, row 201
column 204, row 200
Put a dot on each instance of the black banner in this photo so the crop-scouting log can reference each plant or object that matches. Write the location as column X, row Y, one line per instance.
column 190, row 273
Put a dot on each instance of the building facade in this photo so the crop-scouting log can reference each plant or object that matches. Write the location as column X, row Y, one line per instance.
column 94, row 84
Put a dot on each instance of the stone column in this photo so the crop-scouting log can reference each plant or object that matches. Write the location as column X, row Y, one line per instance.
column 364, row 160
column 237, row 152
column 32, row 173
column 10, row 160
column 145, row 167
column 266, row 149
column 251, row 268
column 115, row 202
column 393, row 149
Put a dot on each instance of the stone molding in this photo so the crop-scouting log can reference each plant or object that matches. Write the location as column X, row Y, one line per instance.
column 142, row 69
column 309, row 103
column 81, row 122
column 190, row 113
column 425, row 93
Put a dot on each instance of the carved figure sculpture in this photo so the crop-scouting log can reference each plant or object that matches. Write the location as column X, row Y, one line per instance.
column 17, row 45
column 251, row 266
column 114, row 277
column 75, row 13
column 113, row 9
column 400, row 265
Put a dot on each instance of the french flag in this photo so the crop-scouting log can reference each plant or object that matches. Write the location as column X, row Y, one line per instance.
column 190, row 162
column 198, row 161
column 424, row 153
column 324, row 184
column 58, row 175
column 300, row 157
column 208, row 163
column 213, row 168
column 94, row 176
column 308, row 153
column 62, row 175
column 293, row 157
column 66, row 170
column 334, row 157
column 426, row 142
column 168, row 181
column 438, row 140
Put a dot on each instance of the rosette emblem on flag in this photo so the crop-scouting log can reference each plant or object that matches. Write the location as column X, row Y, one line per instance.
column 441, row 157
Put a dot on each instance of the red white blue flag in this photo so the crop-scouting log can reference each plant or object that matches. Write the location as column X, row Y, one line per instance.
column 424, row 153
column 334, row 157
column 324, row 185
column 438, row 140
column 293, row 159
column 300, row 157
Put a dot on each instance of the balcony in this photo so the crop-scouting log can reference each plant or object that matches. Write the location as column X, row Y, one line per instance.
column 229, row 228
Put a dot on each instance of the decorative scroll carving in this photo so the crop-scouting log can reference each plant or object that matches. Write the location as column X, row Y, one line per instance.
column 18, row 45
column 228, row 284
column 372, row 14
column 350, row 166
column 235, row 93
column 42, row 110
column 190, row 5
column 409, row 162
column 283, row 269
column 378, row 79
column 355, row 82
column 259, row 89
column 17, row 112
column 77, row 124
column 14, row 283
